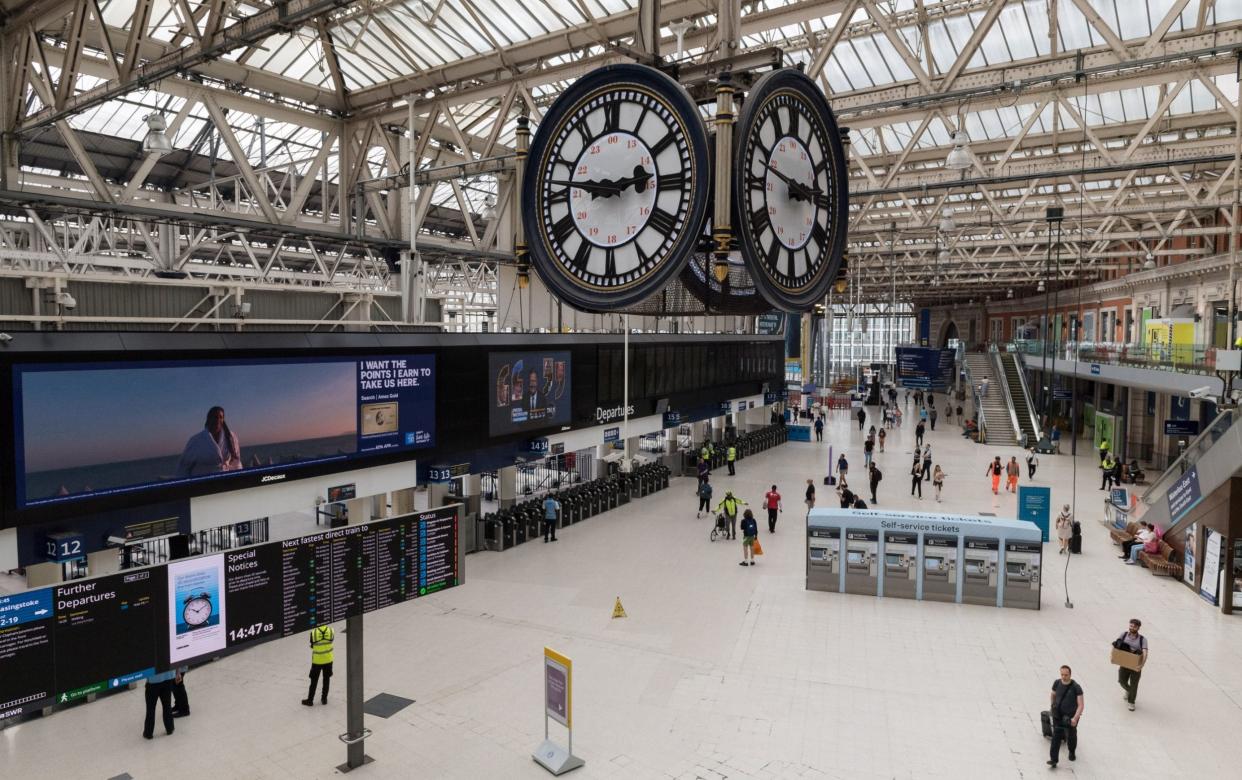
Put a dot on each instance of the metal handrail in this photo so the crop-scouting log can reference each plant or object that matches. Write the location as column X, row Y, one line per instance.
column 974, row 397
column 1003, row 381
column 1030, row 399
column 1191, row 456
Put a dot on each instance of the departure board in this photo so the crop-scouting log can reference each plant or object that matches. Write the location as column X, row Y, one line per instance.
column 63, row 643
column 28, row 677
column 104, row 631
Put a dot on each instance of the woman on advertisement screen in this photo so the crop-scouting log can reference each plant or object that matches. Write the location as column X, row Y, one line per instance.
column 212, row 450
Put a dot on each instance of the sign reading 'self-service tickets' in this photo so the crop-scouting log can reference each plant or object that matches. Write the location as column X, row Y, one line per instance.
column 66, row 642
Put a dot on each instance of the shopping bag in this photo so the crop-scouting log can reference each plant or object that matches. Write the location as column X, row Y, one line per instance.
column 755, row 547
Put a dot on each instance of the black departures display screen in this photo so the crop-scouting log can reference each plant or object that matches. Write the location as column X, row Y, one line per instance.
column 86, row 430
column 62, row 643
column 530, row 391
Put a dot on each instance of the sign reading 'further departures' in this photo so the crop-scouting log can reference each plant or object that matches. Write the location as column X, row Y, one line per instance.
column 62, row 643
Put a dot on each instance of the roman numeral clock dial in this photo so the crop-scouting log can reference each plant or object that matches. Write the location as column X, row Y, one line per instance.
column 791, row 190
column 616, row 187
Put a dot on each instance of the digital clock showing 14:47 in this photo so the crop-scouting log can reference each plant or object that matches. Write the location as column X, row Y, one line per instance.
column 251, row 631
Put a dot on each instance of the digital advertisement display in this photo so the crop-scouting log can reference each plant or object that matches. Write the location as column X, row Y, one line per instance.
column 530, row 391
column 97, row 429
column 62, row 643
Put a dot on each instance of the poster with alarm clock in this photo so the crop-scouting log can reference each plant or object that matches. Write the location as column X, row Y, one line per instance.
column 196, row 609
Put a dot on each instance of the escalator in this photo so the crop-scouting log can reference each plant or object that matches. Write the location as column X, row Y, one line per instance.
column 1214, row 457
column 1020, row 397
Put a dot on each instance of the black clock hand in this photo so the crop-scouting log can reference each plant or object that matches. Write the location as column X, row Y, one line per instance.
column 797, row 190
column 609, row 187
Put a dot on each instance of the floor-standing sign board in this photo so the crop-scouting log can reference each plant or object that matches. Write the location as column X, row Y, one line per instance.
column 1210, row 582
column 1035, row 505
column 558, row 705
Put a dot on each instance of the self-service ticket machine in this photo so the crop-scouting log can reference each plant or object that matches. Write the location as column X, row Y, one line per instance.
column 940, row 567
column 861, row 562
column 901, row 564
column 823, row 559
column 949, row 558
column 979, row 560
column 1022, row 564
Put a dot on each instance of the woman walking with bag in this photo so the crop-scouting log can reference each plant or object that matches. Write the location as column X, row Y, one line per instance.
column 938, row 481
column 1065, row 529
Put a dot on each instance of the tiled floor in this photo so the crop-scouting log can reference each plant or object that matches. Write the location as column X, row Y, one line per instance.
column 719, row 671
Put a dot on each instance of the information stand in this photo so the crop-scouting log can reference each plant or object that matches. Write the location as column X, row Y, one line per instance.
column 558, row 675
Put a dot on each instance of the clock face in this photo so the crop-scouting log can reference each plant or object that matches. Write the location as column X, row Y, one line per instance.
column 616, row 187
column 196, row 611
column 791, row 190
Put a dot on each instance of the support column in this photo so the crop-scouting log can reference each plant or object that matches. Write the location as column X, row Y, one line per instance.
column 437, row 492
column 506, row 486
column 355, row 732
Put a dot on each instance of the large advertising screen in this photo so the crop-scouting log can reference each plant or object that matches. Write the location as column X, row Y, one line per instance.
column 96, row 429
column 530, row 391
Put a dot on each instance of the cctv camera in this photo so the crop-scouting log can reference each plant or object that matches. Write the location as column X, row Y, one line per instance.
column 1200, row 392
column 65, row 300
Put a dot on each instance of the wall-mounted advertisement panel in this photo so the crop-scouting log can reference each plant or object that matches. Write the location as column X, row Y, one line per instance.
column 88, row 430
column 529, row 391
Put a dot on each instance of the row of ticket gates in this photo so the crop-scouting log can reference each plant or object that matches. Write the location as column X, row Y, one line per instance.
column 989, row 571
column 745, row 443
column 524, row 521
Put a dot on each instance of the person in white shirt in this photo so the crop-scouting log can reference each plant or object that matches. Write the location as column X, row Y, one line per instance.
column 212, row 450
column 1145, row 536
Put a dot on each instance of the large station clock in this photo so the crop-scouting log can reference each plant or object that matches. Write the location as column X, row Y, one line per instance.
column 790, row 189
column 616, row 187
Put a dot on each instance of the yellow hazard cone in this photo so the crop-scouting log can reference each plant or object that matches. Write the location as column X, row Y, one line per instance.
column 618, row 611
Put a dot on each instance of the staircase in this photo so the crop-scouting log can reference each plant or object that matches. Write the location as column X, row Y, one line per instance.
column 1017, row 393
column 995, row 410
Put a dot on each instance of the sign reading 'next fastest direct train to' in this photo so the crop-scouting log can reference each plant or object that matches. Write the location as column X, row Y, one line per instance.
column 93, row 429
column 61, row 643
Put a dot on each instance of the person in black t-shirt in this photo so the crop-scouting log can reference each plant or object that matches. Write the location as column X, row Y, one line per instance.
column 1067, row 705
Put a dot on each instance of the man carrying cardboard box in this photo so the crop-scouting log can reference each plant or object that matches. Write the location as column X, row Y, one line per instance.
column 1130, row 654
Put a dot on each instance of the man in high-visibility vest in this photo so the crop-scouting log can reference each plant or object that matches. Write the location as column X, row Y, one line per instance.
column 729, row 507
column 321, row 638
column 731, row 457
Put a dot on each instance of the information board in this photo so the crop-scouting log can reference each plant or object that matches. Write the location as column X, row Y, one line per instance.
column 62, row 643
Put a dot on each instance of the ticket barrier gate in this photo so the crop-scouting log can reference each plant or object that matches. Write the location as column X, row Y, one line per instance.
column 823, row 568
column 901, row 564
column 1022, row 574
column 493, row 533
column 979, row 561
column 862, row 571
column 940, row 568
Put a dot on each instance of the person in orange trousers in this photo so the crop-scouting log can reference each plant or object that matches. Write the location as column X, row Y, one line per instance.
column 995, row 468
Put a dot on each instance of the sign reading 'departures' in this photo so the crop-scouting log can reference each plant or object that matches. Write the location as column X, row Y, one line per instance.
column 86, row 430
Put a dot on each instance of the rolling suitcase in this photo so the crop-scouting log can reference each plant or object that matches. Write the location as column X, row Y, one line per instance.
column 1045, row 722
column 1076, row 539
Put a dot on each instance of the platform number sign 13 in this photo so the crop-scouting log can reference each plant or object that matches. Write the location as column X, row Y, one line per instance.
column 64, row 547
column 791, row 189
column 616, row 187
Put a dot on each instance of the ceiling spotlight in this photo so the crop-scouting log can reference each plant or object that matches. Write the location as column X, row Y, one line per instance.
column 947, row 224
column 489, row 209
column 959, row 158
column 680, row 29
column 156, row 141
column 1150, row 263
column 1040, row 288
column 1010, row 295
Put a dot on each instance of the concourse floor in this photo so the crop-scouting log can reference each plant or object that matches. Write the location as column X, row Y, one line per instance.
column 718, row 670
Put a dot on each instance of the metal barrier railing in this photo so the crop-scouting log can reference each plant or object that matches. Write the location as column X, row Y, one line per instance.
column 1184, row 358
column 1196, row 450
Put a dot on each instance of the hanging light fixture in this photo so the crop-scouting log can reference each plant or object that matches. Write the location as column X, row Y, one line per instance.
column 947, row 225
column 959, row 158
column 1040, row 288
column 1150, row 263
column 1010, row 295
column 489, row 209
column 156, row 141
